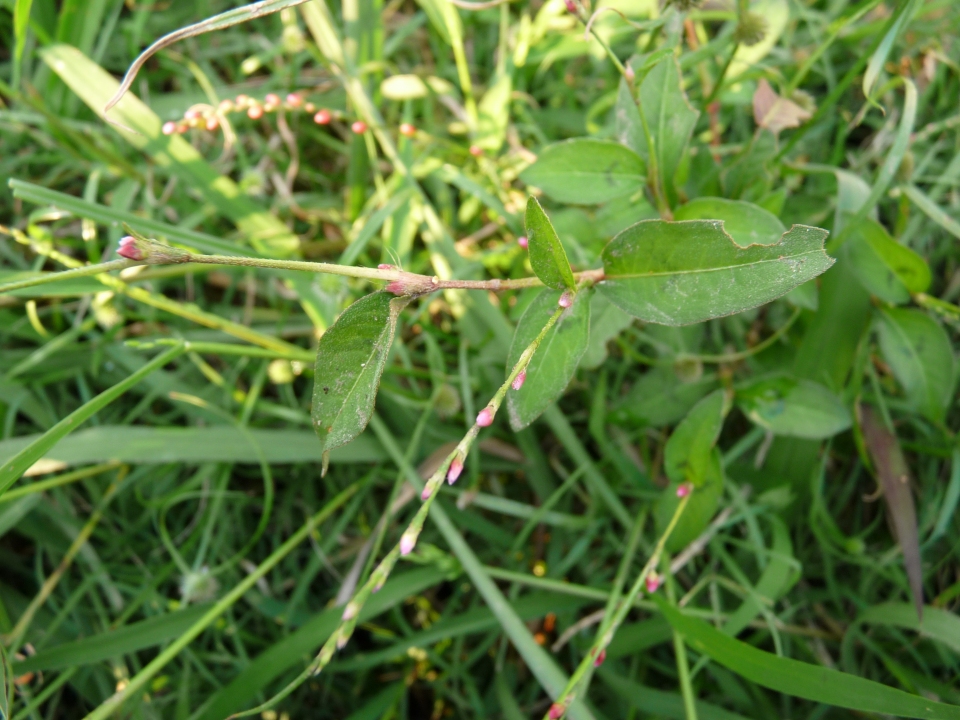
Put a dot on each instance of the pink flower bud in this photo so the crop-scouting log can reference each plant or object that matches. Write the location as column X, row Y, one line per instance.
column 191, row 115
column 294, row 100
column 384, row 266
column 425, row 495
column 407, row 541
column 182, row 128
column 523, row 242
column 407, row 130
column 128, row 249
column 485, row 417
column 359, row 127
column 571, row 6
column 476, row 150
column 225, row 106
column 213, row 123
column 242, row 101
column 396, row 287
column 322, row 117
column 518, row 380
column 601, row 656
column 169, row 128
column 556, row 710
column 629, row 73
column 255, row 112
column 566, row 300
column 271, row 100
column 456, row 467
column 684, row 489
column 310, row 107
column 652, row 582
column 349, row 612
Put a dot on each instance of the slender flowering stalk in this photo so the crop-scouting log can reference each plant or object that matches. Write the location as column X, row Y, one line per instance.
column 452, row 465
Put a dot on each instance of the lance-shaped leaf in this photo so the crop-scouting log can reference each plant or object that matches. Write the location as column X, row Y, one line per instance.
column 883, row 266
column 893, row 475
column 688, row 451
column 798, row 408
column 586, row 171
column 547, row 257
column 677, row 273
column 555, row 361
column 918, row 351
column 350, row 360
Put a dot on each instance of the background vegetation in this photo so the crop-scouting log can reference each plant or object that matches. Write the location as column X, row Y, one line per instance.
column 162, row 558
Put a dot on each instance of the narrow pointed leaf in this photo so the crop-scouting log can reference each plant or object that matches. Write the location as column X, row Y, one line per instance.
column 547, row 257
column 555, row 361
column 677, row 273
column 800, row 679
column 884, row 267
column 586, row 171
column 350, row 360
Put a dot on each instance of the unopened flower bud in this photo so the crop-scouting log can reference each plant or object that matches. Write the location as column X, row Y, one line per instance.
column 426, row 493
column 191, row 115
column 378, row 586
column 310, row 107
column 518, row 380
column 566, row 299
column 128, row 249
column 476, row 150
column 523, row 242
column 169, row 128
column 407, row 542
column 684, row 489
column 272, row 100
column 255, row 112
column 242, row 101
column 322, row 117
column 384, row 266
column 151, row 252
column 213, row 123
column 407, row 130
column 456, row 467
column 557, row 710
column 485, row 417
column 601, row 656
column 652, row 582
column 359, row 127
column 350, row 611
column 225, row 106
column 571, row 6
column 294, row 100
column 343, row 639
column 629, row 73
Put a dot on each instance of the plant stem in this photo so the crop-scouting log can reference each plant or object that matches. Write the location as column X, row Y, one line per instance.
column 85, row 271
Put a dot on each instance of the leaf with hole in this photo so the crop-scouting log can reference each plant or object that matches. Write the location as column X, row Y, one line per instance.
column 677, row 273
column 586, row 171
column 555, row 361
column 547, row 257
column 350, row 360
column 918, row 351
column 746, row 223
column 798, row 408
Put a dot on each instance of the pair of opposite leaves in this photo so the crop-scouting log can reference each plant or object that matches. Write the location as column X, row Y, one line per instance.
column 666, row 272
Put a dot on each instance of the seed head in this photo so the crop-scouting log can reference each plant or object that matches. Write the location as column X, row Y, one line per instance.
column 751, row 29
column 485, row 418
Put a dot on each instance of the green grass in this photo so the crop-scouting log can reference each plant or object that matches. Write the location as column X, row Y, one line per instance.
column 176, row 553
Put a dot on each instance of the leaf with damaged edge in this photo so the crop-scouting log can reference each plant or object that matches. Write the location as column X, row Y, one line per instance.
column 547, row 257
column 677, row 273
column 746, row 223
column 350, row 360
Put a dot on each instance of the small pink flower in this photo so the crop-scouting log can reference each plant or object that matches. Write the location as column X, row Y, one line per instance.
column 485, row 417
column 242, row 101
column 425, row 495
column 255, row 112
column 456, row 467
column 310, row 108
column 684, row 489
column 272, row 100
column 191, row 115
column 566, row 299
column 322, row 117
column 407, row 541
column 518, row 380
column 294, row 100
column 556, row 710
column 571, row 6
column 182, row 128
column 359, row 127
column 396, row 287
column 652, row 582
column 601, row 656
column 522, row 241
column 128, row 249
column 407, row 130
column 225, row 106
column 476, row 150
column 169, row 128
column 213, row 123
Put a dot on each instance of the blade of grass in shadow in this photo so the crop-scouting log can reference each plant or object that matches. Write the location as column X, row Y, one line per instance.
column 800, row 679
column 543, row 667
column 18, row 464
column 115, row 702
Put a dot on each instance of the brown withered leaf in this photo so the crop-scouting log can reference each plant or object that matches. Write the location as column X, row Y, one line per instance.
column 774, row 112
column 894, row 478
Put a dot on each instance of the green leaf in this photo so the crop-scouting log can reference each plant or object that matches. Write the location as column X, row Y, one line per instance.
column 494, row 113
column 799, row 679
column 606, row 322
column 937, row 624
column 798, row 408
column 883, row 266
column 688, row 451
column 350, row 359
column 700, row 509
column 660, row 398
column 586, row 171
column 555, row 361
column 669, row 117
column 547, row 257
column 677, row 273
column 746, row 223
column 918, row 351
